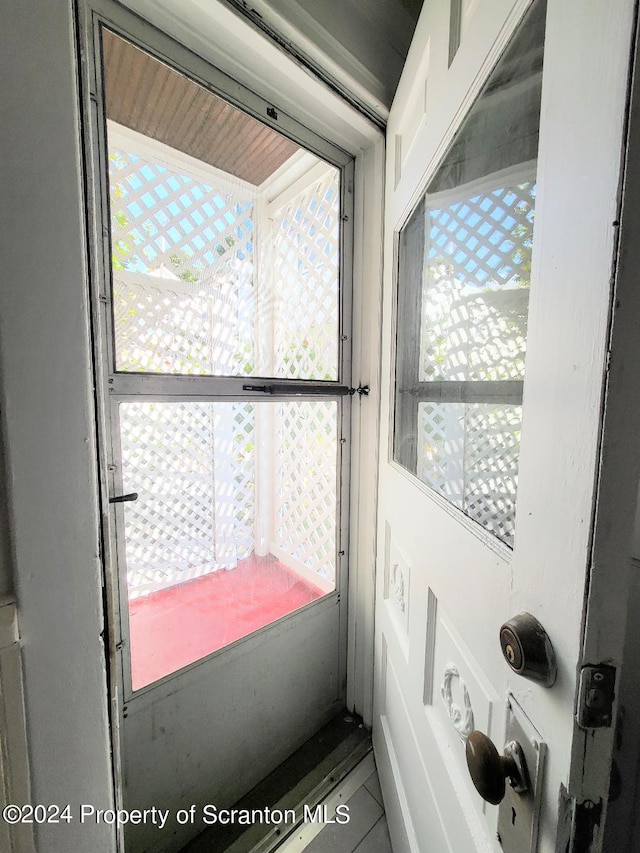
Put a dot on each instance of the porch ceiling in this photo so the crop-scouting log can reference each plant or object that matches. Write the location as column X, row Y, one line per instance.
column 155, row 100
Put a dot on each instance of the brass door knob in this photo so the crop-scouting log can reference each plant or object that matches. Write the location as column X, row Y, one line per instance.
column 489, row 770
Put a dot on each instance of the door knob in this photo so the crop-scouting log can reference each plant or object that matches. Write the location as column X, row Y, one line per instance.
column 489, row 770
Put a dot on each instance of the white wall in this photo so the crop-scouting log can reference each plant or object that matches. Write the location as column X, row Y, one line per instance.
column 360, row 44
column 50, row 457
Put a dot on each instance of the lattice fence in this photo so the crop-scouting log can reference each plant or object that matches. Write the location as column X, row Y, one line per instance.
column 183, row 270
column 475, row 298
column 305, row 483
column 469, row 454
column 305, row 272
column 193, row 466
column 183, row 266
column 474, row 328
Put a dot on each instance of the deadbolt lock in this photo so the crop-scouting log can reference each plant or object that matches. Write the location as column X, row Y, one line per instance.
column 527, row 649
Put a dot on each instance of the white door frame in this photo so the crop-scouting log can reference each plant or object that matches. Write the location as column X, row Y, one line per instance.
column 613, row 565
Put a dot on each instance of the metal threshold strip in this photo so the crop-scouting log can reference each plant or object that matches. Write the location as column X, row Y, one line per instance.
column 299, row 786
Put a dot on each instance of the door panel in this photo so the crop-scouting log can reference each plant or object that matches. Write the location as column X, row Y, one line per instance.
column 487, row 483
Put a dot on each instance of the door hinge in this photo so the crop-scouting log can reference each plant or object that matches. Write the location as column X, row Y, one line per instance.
column 596, row 695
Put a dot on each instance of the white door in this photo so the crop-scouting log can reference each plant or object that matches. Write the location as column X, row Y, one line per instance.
column 507, row 113
column 223, row 307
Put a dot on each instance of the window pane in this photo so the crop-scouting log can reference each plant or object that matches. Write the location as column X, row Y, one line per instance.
column 183, row 260
column 224, row 234
column 304, row 235
column 234, row 525
column 463, row 295
column 469, row 454
column 475, row 296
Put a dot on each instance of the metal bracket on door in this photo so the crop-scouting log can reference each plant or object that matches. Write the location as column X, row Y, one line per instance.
column 596, row 695
column 519, row 811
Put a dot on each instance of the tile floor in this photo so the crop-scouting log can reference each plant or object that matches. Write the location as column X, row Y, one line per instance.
column 366, row 831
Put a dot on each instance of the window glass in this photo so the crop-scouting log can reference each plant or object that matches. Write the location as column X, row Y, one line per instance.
column 224, row 233
column 463, row 295
column 234, row 525
column 225, row 257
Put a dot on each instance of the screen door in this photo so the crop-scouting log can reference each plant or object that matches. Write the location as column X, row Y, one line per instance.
column 225, row 360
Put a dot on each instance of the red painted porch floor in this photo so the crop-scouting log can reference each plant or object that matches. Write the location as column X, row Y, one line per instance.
column 177, row 626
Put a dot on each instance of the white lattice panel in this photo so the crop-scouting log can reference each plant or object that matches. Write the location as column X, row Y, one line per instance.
column 183, row 270
column 475, row 296
column 469, row 454
column 305, row 263
column 440, row 449
column 184, row 302
column 193, row 466
column 305, row 490
column 491, row 452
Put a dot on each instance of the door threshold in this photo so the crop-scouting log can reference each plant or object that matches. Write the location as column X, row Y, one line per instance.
column 328, row 812
column 297, row 798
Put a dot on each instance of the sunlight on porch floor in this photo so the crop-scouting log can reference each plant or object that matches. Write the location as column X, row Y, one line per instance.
column 179, row 625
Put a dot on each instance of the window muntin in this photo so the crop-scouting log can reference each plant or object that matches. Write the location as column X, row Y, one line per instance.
column 463, row 292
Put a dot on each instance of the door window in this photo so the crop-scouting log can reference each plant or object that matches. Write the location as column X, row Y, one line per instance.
column 225, row 269
column 463, row 294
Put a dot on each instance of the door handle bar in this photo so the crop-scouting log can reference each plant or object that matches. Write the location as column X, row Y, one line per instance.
column 286, row 390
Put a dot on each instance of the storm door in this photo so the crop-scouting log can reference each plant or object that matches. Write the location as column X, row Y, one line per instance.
column 224, row 311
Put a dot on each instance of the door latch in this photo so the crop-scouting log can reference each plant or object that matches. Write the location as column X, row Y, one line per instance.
column 362, row 390
column 595, row 696
column 121, row 499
